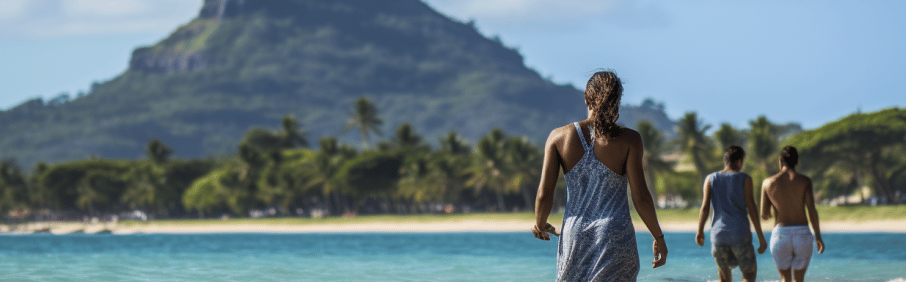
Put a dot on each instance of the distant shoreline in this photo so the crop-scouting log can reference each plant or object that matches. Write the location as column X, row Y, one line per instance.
column 382, row 225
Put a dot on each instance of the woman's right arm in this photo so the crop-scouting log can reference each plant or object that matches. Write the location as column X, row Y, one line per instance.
column 544, row 201
column 641, row 197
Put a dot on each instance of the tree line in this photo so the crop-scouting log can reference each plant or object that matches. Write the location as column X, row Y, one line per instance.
column 281, row 171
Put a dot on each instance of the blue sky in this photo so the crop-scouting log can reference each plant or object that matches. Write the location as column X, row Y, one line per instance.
column 804, row 61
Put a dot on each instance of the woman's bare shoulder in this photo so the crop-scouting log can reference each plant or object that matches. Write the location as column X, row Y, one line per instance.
column 629, row 135
column 560, row 133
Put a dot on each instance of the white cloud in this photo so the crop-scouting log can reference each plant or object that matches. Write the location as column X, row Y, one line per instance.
column 53, row 18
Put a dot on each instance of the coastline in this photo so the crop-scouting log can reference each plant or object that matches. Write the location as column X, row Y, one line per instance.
column 378, row 226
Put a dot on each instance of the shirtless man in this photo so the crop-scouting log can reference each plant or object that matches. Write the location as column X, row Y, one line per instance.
column 790, row 194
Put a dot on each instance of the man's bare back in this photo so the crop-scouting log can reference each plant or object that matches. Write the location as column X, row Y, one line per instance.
column 788, row 193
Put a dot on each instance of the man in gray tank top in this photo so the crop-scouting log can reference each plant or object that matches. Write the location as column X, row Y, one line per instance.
column 730, row 193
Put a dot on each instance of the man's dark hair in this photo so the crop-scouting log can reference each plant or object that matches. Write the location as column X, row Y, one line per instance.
column 789, row 156
column 734, row 153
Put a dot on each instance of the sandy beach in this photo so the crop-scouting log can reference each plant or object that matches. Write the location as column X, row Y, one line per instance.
column 470, row 225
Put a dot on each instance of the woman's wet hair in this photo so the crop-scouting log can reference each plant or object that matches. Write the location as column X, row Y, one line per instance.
column 733, row 154
column 602, row 95
column 789, row 156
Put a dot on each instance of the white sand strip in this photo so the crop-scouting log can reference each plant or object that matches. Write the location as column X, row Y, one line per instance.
column 471, row 225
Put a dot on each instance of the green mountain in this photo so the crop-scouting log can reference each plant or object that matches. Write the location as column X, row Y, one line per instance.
column 244, row 64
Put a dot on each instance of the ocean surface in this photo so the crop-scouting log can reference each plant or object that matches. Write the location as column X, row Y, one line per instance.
column 392, row 257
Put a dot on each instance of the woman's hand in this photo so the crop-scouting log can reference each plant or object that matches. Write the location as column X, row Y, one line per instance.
column 541, row 233
column 660, row 252
column 700, row 238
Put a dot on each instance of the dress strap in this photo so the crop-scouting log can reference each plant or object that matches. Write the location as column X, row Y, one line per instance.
column 585, row 145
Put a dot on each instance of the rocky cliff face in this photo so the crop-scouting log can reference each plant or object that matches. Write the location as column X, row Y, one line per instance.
column 145, row 61
column 168, row 57
column 185, row 49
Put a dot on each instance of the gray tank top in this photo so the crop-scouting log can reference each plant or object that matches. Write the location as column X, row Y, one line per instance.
column 730, row 223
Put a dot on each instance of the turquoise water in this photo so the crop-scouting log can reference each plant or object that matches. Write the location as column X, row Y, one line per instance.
column 390, row 257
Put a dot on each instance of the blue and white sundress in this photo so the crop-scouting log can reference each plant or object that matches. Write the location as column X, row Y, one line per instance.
column 598, row 239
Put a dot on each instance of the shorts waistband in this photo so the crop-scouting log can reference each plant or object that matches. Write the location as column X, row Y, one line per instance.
column 791, row 230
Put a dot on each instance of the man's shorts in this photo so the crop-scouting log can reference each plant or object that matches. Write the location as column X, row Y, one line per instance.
column 730, row 255
column 791, row 246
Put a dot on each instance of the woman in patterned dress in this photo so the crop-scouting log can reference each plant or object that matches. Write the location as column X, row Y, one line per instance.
column 598, row 159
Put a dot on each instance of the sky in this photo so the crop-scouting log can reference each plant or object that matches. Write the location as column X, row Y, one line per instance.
column 810, row 62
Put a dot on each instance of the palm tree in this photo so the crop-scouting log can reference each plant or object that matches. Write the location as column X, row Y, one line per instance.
column 14, row 190
column 488, row 170
column 98, row 191
column 406, row 136
column 418, row 181
column 727, row 135
column 693, row 140
column 447, row 172
column 653, row 164
column 245, row 188
column 454, row 145
column 143, row 190
column 450, row 164
column 38, row 195
column 763, row 143
column 523, row 160
column 292, row 135
column 365, row 117
column 323, row 168
column 158, row 152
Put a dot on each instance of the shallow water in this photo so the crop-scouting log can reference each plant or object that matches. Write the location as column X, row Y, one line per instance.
column 395, row 257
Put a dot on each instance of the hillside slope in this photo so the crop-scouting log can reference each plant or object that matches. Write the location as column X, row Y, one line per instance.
column 243, row 64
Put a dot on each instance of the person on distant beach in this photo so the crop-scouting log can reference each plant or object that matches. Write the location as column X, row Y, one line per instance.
column 730, row 192
column 598, row 158
column 790, row 194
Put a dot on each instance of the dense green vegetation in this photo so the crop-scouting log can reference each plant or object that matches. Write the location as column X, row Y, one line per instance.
column 275, row 169
column 402, row 174
column 861, row 150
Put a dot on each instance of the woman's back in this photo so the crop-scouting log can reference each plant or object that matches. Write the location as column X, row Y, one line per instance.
column 598, row 240
column 611, row 153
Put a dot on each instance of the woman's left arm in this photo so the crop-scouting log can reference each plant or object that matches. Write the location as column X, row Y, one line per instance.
column 641, row 197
